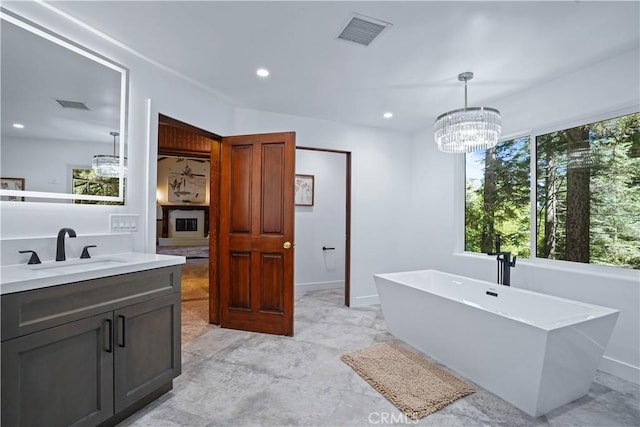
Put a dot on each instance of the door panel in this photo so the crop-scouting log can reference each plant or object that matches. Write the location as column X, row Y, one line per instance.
column 240, row 191
column 240, row 283
column 273, row 162
column 271, row 291
column 256, row 220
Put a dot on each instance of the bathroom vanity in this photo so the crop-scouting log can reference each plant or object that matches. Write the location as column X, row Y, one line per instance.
column 88, row 342
column 94, row 336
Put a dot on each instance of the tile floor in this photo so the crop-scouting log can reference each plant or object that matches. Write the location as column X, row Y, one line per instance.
column 233, row 378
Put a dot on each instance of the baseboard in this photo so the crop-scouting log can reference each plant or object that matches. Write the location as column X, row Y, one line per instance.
column 620, row 369
column 318, row 286
column 364, row 301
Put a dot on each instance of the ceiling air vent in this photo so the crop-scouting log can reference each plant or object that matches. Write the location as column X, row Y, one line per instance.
column 362, row 29
column 73, row 104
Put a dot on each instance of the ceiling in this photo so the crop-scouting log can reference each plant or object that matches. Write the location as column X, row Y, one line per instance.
column 37, row 72
column 411, row 69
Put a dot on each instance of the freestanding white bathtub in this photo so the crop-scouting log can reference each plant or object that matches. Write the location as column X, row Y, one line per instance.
column 537, row 352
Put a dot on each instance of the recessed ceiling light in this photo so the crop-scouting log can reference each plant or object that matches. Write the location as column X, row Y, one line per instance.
column 387, row 115
column 18, row 125
column 262, row 72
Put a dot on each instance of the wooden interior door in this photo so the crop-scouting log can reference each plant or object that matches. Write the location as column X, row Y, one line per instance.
column 256, row 232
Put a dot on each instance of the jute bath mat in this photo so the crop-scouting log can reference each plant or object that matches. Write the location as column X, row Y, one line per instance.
column 413, row 384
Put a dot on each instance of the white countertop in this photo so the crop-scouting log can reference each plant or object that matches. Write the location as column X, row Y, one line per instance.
column 24, row 277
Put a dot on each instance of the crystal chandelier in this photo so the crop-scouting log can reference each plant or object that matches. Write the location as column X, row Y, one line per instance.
column 468, row 129
column 108, row 165
column 581, row 158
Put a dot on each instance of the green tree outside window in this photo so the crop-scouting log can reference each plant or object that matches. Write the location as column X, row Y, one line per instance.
column 86, row 182
column 587, row 193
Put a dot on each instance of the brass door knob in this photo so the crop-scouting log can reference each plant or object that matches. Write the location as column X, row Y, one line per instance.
column 287, row 245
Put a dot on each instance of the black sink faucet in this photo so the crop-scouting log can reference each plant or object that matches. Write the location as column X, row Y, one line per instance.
column 60, row 254
column 504, row 263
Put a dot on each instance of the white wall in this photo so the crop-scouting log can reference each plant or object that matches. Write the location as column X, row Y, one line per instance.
column 438, row 204
column 380, row 189
column 45, row 168
column 380, row 177
column 322, row 224
column 404, row 212
column 169, row 95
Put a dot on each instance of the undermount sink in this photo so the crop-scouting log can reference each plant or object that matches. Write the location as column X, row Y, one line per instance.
column 77, row 264
column 22, row 277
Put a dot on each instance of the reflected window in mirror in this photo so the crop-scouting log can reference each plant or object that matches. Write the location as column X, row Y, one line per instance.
column 60, row 104
column 87, row 182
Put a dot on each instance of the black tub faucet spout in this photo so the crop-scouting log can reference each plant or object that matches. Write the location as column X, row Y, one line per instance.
column 504, row 263
column 60, row 253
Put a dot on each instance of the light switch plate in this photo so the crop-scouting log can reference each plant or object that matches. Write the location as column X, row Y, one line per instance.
column 119, row 223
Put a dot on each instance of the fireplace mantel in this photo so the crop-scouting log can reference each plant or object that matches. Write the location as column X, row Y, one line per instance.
column 167, row 208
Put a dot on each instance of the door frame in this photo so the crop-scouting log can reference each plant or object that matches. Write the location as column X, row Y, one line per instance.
column 190, row 150
column 187, row 150
column 347, row 240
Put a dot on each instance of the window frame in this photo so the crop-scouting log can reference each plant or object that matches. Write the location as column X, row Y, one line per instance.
column 534, row 260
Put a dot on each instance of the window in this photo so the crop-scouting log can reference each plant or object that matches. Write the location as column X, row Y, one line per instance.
column 498, row 198
column 86, row 182
column 588, row 193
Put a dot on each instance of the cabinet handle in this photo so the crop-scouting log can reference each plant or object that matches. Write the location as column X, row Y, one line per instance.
column 107, row 337
column 122, row 321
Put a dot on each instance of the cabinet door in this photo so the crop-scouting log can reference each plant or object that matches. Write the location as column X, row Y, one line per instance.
column 60, row 376
column 147, row 348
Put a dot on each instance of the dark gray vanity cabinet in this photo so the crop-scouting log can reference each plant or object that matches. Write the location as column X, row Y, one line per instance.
column 145, row 359
column 59, row 376
column 89, row 352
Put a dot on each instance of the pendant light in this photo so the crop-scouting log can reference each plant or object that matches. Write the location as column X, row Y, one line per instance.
column 467, row 129
column 108, row 165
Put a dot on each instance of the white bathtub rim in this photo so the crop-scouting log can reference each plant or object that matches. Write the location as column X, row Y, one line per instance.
column 599, row 311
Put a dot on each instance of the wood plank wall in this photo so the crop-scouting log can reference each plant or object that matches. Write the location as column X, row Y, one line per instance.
column 172, row 140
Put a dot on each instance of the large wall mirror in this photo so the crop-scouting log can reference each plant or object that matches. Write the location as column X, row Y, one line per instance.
column 63, row 119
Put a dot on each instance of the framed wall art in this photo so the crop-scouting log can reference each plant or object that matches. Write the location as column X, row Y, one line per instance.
column 304, row 190
column 187, row 189
column 12, row 184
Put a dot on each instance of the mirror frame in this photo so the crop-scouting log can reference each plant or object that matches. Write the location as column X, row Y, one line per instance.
column 6, row 15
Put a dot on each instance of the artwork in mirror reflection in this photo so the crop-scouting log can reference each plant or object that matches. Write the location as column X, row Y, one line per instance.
column 12, row 184
column 59, row 105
